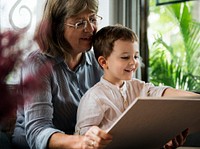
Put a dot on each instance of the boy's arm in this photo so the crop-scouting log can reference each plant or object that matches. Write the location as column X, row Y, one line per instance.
column 175, row 92
column 179, row 139
column 89, row 113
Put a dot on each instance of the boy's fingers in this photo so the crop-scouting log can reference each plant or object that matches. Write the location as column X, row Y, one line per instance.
column 185, row 132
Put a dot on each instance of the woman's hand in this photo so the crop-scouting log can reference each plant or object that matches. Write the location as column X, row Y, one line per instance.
column 96, row 138
column 178, row 140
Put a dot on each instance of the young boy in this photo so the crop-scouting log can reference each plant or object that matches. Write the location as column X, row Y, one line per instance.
column 117, row 52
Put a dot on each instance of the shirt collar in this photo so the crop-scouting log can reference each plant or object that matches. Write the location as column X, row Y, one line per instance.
column 85, row 59
column 107, row 83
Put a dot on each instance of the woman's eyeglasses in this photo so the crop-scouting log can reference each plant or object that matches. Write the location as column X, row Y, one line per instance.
column 94, row 20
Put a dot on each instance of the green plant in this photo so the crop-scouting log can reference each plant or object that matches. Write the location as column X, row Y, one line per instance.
column 177, row 64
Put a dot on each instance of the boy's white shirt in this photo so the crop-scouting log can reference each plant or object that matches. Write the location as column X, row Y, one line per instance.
column 104, row 102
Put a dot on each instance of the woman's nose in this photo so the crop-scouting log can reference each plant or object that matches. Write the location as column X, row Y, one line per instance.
column 89, row 27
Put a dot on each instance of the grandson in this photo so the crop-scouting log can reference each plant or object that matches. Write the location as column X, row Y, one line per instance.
column 117, row 52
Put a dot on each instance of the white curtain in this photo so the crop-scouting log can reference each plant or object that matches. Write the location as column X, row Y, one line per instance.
column 19, row 14
column 127, row 13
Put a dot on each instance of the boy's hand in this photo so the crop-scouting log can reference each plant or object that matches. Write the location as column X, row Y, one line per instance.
column 179, row 140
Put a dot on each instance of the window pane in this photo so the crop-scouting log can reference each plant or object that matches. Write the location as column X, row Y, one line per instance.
column 174, row 43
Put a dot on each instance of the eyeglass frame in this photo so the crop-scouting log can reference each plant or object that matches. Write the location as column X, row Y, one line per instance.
column 85, row 23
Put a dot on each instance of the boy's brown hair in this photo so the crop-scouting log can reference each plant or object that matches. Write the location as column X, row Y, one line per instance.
column 103, row 41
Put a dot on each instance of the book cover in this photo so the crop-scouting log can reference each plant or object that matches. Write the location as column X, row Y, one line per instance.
column 152, row 122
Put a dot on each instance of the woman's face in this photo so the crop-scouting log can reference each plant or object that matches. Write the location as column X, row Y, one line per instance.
column 80, row 38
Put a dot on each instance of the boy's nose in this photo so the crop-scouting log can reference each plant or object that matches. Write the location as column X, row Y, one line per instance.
column 132, row 61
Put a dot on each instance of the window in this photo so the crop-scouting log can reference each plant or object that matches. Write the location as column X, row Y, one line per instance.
column 166, row 2
column 16, row 15
column 174, row 44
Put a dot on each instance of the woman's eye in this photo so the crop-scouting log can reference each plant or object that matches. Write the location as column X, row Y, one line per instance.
column 80, row 24
column 93, row 20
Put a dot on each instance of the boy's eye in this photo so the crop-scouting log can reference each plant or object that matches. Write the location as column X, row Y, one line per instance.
column 136, row 57
column 125, row 57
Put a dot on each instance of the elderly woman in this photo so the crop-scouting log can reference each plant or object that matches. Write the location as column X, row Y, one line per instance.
column 65, row 37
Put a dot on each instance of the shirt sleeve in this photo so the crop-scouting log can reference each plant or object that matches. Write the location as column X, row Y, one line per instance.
column 38, row 109
column 143, row 89
column 90, row 113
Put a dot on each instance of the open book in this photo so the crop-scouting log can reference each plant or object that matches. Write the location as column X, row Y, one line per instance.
column 151, row 122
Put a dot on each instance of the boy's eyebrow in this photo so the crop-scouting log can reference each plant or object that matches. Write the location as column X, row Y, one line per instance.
column 137, row 52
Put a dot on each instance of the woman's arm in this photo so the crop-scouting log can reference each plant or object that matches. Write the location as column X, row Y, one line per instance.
column 38, row 108
column 94, row 138
column 61, row 141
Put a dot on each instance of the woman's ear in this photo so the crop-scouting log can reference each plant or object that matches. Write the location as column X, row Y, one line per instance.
column 102, row 62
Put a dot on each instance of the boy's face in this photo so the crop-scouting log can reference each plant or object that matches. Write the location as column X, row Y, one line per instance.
column 122, row 62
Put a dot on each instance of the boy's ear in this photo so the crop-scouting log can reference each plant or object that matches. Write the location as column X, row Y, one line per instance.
column 102, row 62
